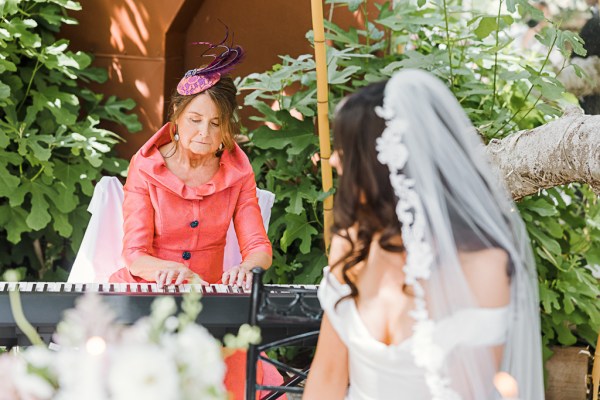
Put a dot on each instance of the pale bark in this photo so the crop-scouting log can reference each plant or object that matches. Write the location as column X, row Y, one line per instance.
column 585, row 86
column 563, row 151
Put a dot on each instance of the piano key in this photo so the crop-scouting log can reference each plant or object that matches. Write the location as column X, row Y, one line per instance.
column 93, row 287
column 171, row 289
column 144, row 287
column 3, row 286
column 22, row 286
column 53, row 287
column 220, row 288
column 154, row 288
column 78, row 287
column 39, row 287
column 12, row 286
column 68, row 287
column 185, row 288
column 208, row 289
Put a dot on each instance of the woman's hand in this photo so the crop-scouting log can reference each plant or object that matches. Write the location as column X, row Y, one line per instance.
column 175, row 273
column 238, row 275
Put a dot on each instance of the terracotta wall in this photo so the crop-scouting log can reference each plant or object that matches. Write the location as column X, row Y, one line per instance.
column 146, row 44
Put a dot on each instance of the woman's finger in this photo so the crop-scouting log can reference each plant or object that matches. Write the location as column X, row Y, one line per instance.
column 248, row 280
column 181, row 277
column 160, row 279
column 225, row 277
column 241, row 275
column 170, row 275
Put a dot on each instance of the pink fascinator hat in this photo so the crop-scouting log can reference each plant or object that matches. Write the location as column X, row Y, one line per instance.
column 199, row 79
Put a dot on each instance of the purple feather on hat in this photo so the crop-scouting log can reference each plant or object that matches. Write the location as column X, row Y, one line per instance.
column 199, row 79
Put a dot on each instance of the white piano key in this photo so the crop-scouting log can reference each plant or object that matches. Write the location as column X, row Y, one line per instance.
column 185, row 288
column 12, row 286
column 22, row 286
column 78, row 287
column 121, row 287
column 53, row 287
column 3, row 286
column 208, row 289
column 92, row 287
column 68, row 287
column 171, row 288
column 196, row 288
column 154, row 288
column 220, row 288
column 144, row 287
column 40, row 287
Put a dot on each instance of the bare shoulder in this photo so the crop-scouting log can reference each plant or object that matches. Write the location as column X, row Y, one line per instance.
column 486, row 272
column 338, row 250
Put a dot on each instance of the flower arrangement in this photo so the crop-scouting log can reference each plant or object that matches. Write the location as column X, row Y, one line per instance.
column 163, row 356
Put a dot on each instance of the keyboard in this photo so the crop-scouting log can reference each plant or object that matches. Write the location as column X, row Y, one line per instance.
column 225, row 307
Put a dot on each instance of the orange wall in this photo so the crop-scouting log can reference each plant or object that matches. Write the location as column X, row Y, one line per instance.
column 146, row 44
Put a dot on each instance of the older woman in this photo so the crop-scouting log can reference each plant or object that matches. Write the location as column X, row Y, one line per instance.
column 186, row 184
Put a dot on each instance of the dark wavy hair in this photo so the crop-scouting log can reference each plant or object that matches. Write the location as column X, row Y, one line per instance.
column 365, row 197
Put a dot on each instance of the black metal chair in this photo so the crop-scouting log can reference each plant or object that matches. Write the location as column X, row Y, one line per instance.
column 293, row 315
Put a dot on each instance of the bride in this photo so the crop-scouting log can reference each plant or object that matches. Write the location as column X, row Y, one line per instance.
column 432, row 287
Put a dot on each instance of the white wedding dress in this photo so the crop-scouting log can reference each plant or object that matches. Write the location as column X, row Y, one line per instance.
column 378, row 371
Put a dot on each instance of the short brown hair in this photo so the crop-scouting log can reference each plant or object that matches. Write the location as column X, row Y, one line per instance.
column 223, row 93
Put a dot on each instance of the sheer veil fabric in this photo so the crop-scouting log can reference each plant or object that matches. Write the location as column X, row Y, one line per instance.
column 449, row 202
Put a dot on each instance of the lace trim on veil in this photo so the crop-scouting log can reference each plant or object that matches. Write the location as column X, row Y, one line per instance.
column 394, row 153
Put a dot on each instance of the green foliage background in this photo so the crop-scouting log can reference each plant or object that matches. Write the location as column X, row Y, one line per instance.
column 502, row 90
column 51, row 148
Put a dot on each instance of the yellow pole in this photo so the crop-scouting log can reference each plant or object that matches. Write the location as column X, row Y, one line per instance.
column 323, row 115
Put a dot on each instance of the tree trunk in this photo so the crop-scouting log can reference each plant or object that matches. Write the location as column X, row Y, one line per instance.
column 560, row 152
column 582, row 86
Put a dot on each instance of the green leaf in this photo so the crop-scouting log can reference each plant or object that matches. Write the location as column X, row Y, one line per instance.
column 486, row 26
column 39, row 216
column 16, row 224
column 4, row 91
column 549, row 299
column 550, row 244
column 297, row 228
column 8, row 182
column 541, row 207
column 62, row 225
column 9, row 7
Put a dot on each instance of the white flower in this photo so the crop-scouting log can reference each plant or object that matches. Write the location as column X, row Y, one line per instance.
column 18, row 384
column 80, row 375
column 163, row 308
column 90, row 317
column 143, row 372
column 10, row 366
column 200, row 359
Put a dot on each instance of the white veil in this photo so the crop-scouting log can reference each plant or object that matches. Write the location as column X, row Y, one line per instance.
column 449, row 201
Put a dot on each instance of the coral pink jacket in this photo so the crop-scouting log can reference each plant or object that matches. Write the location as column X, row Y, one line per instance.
column 167, row 219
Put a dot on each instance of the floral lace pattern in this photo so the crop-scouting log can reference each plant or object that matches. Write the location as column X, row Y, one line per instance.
column 394, row 153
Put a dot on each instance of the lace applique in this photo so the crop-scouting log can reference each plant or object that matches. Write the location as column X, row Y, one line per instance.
column 394, row 153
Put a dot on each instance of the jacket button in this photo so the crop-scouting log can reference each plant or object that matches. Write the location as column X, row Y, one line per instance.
column 194, row 223
column 186, row 255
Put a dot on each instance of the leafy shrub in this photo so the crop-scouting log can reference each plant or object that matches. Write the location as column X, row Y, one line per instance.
column 51, row 146
column 500, row 90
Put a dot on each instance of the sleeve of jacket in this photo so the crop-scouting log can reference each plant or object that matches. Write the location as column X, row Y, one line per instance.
column 248, row 222
column 138, row 216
